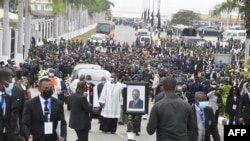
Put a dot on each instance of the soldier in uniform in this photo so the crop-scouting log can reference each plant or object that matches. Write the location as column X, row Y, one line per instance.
column 22, row 82
column 134, row 122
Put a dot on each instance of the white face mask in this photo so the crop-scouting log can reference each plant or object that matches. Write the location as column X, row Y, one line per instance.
column 51, row 74
column 111, row 79
column 213, row 86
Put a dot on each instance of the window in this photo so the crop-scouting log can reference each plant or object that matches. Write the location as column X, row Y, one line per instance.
column 42, row 7
column 35, row 7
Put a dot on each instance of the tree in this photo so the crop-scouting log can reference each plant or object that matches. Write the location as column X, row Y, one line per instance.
column 226, row 7
column 185, row 17
column 20, row 27
column 5, row 27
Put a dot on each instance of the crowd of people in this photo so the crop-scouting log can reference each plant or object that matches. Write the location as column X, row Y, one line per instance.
column 183, row 80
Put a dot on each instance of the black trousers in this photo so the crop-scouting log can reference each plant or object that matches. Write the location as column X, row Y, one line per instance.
column 83, row 135
column 108, row 124
column 216, row 115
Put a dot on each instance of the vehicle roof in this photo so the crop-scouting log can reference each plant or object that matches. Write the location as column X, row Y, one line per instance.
column 145, row 36
column 142, row 29
column 88, row 66
column 94, row 73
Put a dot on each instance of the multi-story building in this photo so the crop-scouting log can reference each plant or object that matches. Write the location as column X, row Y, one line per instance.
column 41, row 8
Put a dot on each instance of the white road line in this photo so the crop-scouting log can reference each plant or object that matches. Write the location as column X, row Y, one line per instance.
column 120, row 135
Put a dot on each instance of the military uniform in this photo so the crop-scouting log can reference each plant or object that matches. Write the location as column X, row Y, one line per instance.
column 133, row 126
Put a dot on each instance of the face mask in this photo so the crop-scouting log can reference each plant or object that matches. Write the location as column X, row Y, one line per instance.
column 9, row 88
column 47, row 93
column 103, row 82
column 88, row 81
column 213, row 86
column 111, row 79
column 203, row 104
column 51, row 74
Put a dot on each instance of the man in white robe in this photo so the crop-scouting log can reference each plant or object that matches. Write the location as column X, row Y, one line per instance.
column 111, row 101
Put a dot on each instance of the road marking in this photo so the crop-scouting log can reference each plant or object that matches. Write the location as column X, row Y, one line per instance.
column 120, row 135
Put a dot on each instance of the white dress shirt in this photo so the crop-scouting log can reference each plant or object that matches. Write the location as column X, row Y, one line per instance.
column 42, row 101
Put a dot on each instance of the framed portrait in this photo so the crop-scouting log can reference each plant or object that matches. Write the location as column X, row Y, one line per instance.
column 136, row 98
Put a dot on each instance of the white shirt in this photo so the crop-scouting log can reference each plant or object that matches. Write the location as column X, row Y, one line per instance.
column 42, row 101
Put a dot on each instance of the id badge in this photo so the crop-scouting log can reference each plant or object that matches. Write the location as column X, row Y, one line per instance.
column 234, row 107
column 48, row 128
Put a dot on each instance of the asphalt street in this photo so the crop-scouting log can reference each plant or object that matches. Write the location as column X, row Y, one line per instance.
column 123, row 34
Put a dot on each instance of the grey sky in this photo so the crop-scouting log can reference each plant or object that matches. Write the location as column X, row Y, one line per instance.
column 167, row 7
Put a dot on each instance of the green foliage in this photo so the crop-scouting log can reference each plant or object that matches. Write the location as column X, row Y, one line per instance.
column 247, row 66
column 93, row 6
column 225, row 7
column 185, row 17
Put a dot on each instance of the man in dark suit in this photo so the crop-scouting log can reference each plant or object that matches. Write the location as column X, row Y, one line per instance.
column 44, row 112
column 17, row 102
column 5, row 110
column 136, row 103
column 244, row 107
column 205, row 121
column 80, row 110
column 166, row 125
column 186, row 93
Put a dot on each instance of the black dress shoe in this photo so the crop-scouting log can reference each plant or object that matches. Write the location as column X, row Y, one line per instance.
column 120, row 123
column 137, row 134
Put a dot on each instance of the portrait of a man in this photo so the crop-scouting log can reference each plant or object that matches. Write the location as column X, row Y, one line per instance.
column 136, row 103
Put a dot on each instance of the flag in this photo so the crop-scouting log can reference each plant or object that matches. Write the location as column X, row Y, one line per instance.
column 148, row 14
column 145, row 14
column 152, row 18
column 159, row 19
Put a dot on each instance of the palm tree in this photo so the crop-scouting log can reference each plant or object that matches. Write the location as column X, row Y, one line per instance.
column 226, row 7
column 5, row 27
column 20, row 27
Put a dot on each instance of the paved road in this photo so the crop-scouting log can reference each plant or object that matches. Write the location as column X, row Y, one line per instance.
column 123, row 34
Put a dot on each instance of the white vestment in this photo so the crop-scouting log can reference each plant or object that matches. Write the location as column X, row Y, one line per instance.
column 73, row 85
column 111, row 96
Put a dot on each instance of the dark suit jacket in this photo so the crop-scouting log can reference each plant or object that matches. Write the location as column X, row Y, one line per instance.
column 210, row 125
column 229, row 105
column 79, row 115
column 245, row 102
column 17, row 104
column 5, row 120
column 188, row 95
column 166, row 125
column 139, row 104
column 33, row 120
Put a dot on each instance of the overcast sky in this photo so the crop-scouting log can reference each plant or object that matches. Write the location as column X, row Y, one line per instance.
column 167, row 7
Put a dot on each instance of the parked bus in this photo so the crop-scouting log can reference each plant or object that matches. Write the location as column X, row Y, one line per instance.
column 106, row 27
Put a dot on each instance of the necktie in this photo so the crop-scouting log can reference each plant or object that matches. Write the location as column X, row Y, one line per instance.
column 134, row 104
column 46, row 110
column 202, row 118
